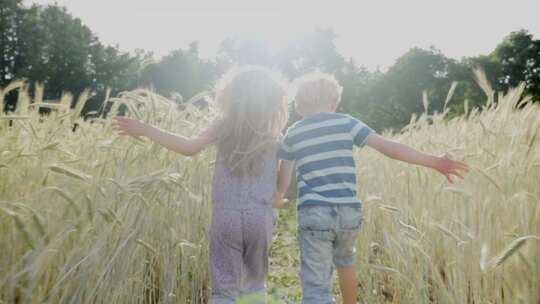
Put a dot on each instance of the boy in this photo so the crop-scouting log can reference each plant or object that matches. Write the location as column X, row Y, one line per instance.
column 320, row 146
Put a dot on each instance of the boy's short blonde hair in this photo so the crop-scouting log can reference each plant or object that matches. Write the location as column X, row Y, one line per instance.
column 315, row 89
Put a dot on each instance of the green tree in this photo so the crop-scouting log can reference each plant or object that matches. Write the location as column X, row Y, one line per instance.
column 314, row 50
column 181, row 71
column 356, row 82
column 397, row 94
column 519, row 59
column 468, row 89
column 10, row 11
column 48, row 45
column 66, row 52
column 113, row 68
column 29, row 62
column 244, row 51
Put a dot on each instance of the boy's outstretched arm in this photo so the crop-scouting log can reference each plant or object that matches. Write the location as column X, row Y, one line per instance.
column 177, row 143
column 398, row 151
column 285, row 171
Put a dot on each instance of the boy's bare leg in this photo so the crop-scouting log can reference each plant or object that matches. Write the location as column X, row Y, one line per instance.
column 348, row 282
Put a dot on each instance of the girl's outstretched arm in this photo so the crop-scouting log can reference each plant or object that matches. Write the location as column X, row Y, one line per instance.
column 177, row 143
column 398, row 151
column 283, row 180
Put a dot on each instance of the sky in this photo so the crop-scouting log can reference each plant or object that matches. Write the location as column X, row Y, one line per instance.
column 373, row 32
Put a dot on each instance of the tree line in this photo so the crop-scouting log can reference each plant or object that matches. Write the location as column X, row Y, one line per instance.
column 47, row 44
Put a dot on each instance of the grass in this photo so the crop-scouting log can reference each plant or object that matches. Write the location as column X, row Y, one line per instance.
column 90, row 217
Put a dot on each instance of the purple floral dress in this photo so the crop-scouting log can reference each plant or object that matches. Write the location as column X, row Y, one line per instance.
column 241, row 230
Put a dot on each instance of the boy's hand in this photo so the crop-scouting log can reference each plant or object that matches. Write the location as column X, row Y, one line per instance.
column 395, row 150
column 128, row 126
column 450, row 168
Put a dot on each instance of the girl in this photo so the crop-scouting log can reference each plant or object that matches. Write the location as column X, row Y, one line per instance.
column 253, row 107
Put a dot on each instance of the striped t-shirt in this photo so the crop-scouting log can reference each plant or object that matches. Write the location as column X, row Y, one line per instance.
column 322, row 148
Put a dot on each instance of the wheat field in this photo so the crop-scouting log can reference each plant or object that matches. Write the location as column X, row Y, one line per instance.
column 90, row 217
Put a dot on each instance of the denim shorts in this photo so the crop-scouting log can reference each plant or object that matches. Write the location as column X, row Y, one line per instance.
column 327, row 238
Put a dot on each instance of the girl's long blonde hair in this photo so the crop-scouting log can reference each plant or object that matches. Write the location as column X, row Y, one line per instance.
column 254, row 107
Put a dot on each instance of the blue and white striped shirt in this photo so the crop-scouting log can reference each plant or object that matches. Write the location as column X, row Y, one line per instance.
column 322, row 148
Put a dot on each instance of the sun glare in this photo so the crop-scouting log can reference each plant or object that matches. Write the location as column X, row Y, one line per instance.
column 374, row 33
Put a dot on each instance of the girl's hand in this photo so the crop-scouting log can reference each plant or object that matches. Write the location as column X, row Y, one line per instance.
column 449, row 168
column 128, row 126
column 176, row 143
column 278, row 201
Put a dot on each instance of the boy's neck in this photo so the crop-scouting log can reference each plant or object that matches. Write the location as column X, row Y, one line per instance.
column 315, row 111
